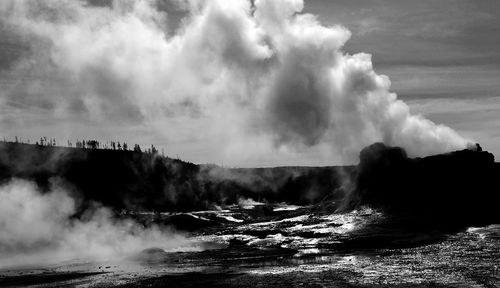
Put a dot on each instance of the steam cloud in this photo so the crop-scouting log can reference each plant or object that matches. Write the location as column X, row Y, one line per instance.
column 262, row 75
column 38, row 228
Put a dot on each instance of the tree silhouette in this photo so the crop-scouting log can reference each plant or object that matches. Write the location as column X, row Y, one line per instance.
column 92, row 144
column 137, row 148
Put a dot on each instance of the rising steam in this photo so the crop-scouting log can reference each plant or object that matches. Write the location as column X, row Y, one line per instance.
column 38, row 228
column 259, row 76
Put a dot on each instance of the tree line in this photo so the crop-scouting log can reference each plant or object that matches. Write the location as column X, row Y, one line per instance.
column 89, row 144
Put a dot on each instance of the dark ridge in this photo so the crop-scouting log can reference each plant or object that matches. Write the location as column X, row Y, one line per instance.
column 454, row 189
column 450, row 190
column 134, row 180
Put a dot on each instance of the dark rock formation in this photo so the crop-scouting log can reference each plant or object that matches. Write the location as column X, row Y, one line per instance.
column 455, row 189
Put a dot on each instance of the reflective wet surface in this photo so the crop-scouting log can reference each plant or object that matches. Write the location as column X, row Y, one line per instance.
column 290, row 246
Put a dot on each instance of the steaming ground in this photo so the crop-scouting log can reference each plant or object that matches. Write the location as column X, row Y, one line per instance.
column 248, row 79
column 41, row 228
column 255, row 244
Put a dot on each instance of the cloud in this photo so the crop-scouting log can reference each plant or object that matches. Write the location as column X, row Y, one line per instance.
column 259, row 78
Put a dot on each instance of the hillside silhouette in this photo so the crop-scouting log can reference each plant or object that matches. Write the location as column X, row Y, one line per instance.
column 136, row 180
column 461, row 187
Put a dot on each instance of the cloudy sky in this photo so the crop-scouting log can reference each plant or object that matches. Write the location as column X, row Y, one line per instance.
column 443, row 57
column 59, row 76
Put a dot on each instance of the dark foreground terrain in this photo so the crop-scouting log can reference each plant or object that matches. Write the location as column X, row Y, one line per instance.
column 391, row 221
column 287, row 246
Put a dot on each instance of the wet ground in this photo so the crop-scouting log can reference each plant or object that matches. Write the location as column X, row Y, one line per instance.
column 289, row 246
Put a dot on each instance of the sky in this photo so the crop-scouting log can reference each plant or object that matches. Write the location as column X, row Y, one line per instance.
column 442, row 59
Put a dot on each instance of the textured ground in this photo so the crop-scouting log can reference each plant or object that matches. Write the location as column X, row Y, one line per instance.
column 286, row 246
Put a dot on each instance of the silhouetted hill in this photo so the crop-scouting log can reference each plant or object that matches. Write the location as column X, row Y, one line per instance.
column 461, row 187
column 136, row 180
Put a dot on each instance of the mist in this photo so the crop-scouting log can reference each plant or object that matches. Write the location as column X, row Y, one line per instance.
column 40, row 228
column 255, row 78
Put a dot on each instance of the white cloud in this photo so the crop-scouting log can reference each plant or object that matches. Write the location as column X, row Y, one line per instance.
column 264, row 75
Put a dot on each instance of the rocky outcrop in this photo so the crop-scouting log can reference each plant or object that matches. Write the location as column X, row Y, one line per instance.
column 453, row 189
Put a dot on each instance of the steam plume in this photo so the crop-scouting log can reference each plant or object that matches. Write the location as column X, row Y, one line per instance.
column 260, row 76
column 37, row 228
